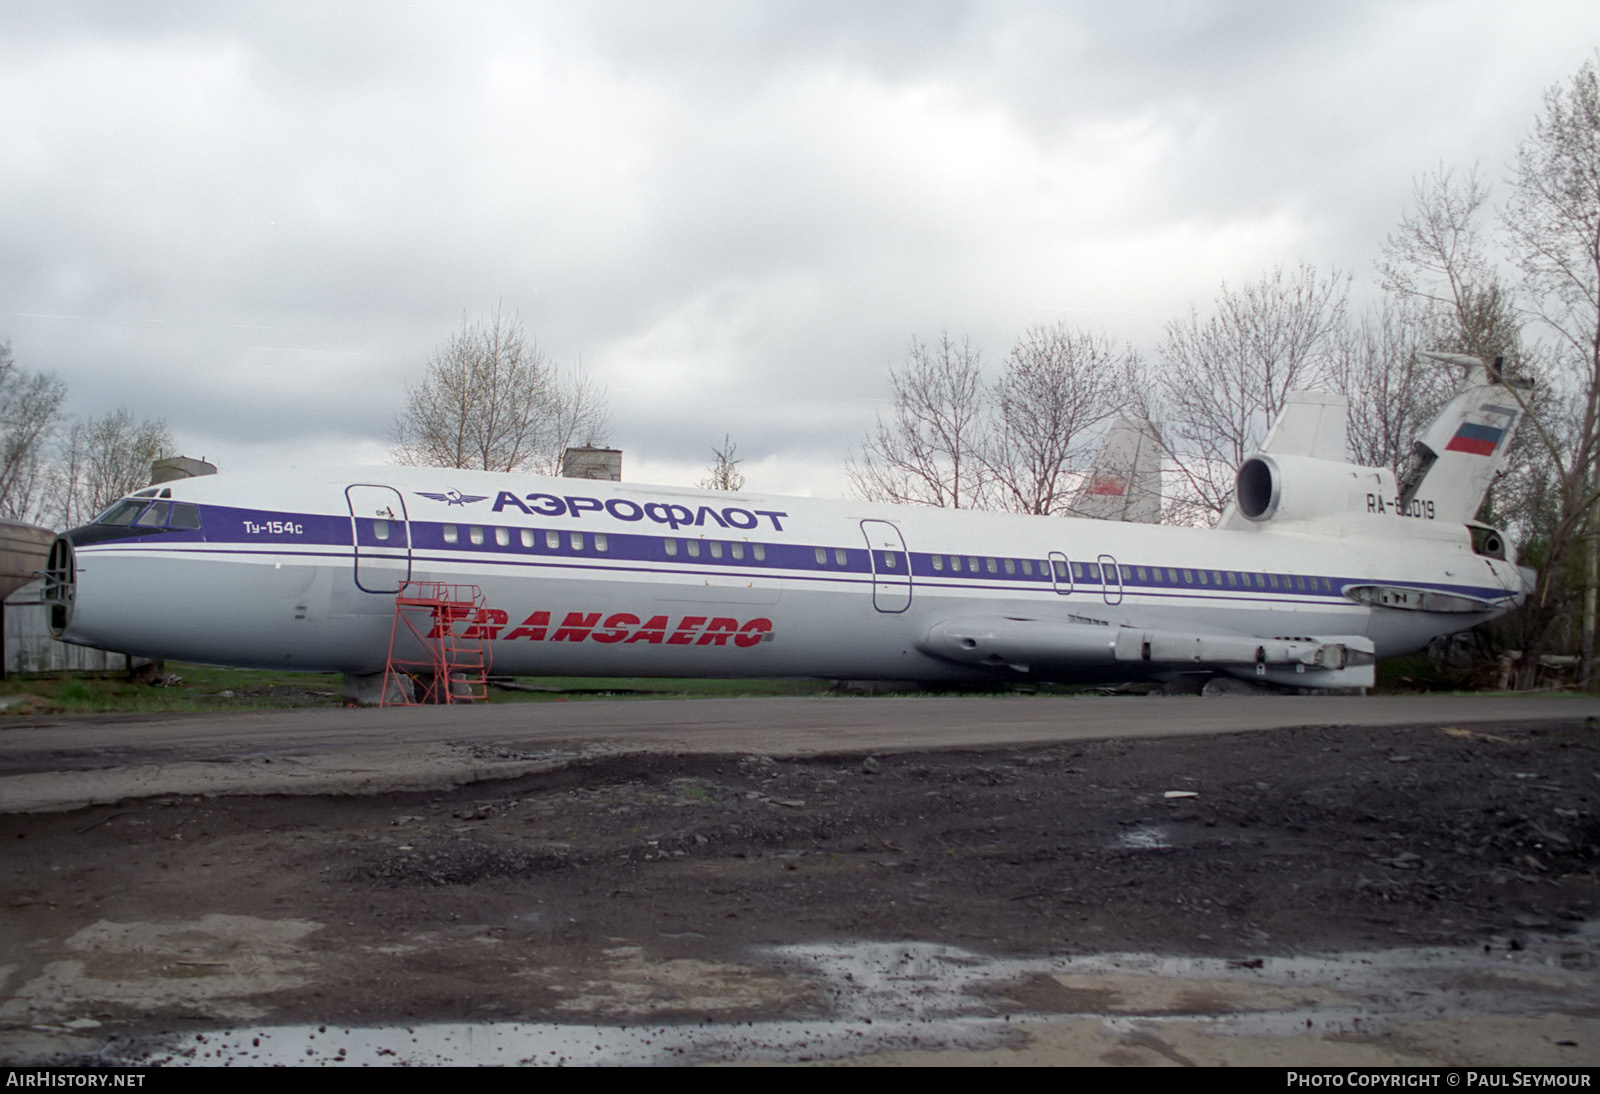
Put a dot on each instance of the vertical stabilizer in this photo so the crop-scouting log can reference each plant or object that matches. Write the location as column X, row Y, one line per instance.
column 1124, row 482
column 1311, row 423
column 1457, row 457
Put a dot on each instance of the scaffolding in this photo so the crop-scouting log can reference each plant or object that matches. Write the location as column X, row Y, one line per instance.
column 436, row 649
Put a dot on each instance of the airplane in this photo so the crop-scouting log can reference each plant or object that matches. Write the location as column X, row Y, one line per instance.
column 1318, row 568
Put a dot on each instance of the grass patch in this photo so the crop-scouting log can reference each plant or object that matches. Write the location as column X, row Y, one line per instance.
column 698, row 794
column 197, row 688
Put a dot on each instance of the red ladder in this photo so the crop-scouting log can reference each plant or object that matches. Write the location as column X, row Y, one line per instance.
column 445, row 623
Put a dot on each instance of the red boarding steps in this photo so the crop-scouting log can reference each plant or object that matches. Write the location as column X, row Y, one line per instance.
column 444, row 622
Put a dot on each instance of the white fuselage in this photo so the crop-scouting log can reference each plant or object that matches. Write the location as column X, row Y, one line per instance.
column 600, row 578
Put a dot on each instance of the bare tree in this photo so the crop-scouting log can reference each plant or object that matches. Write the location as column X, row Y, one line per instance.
column 1059, row 388
column 103, row 459
column 1225, row 379
column 1445, row 293
column 30, row 410
column 1437, row 260
column 1552, row 224
column 1394, row 393
column 578, row 416
column 724, row 469
column 489, row 400
column 927, row 452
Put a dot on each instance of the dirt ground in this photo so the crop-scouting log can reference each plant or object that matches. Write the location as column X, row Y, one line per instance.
column 617, row 888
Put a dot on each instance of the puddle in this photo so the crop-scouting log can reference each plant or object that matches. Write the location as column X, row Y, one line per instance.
column 1146, row 837
column 900, row 998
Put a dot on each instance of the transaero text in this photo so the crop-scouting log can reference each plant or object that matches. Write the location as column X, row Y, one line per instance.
column 672, row 514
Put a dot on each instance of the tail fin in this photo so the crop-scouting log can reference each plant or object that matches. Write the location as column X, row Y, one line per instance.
column 1311, row 423
column 1124, row 483
column 1456, row 459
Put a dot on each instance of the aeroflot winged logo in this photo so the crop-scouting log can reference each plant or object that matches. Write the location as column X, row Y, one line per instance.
column 671, row 514
column 452, row 497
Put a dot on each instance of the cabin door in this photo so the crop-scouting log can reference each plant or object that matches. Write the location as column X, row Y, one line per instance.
column 382, row 538
column 891, row 566
column 1061, row 573
column 1110, row 580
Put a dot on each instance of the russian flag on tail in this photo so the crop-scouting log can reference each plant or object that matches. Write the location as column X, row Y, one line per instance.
column 1476, row 438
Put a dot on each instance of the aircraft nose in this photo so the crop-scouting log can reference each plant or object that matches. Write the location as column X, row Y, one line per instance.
column 60, row 584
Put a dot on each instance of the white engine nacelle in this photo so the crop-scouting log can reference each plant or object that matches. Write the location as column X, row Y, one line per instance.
column 1277, row 488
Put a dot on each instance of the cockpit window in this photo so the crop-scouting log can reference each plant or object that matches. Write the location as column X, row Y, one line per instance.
column 159, row 514
column 155, row 516
column 121, row 513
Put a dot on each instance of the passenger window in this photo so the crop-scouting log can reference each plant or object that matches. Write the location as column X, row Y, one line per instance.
column 937, row 560
column 475, row 533
column 671, row 546
column 527, row 537
column 1233, row 579
column 380, row 529
column 552, row 539
column 576, row 540
column 502, row 537
column 600, row 541
column 840, row 557
column 1216, row 578
column 1203, row 580
column 1061, row 570
column 1077, row 570
column 694, row 548
column 972, row 564
column 992, row 566
column 1027, row 568
column 449, row 532
column 737, row 550
column 760, row 551
column 1272, row 579
column 822, row 556
column 1188, row 577
column 1011, row 567
column 888, row 560
column 716, row 548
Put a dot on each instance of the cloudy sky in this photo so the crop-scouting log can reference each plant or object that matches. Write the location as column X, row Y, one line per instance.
column 258, row 218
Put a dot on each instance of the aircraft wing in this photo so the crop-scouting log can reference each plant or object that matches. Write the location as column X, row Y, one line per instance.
column 1047, row 647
